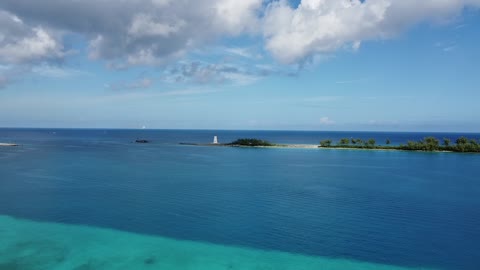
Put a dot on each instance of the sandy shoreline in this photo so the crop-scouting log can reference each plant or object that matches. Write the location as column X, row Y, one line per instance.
column 311, row 146
column 302, row 146
column 8, row 144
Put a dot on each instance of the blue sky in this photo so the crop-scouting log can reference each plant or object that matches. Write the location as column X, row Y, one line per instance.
column 311, row 65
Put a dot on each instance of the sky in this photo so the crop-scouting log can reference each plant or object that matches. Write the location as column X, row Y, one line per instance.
column 371, row 65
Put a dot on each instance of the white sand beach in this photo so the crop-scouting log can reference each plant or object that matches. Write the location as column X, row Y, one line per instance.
column 300, row 146
column 8, row 144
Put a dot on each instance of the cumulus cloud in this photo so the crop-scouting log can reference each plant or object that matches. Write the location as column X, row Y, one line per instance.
column 153, row 32
column 125, row 33
column 22, row 43
column 295, row 34
column 134, row 32
column 326, row 121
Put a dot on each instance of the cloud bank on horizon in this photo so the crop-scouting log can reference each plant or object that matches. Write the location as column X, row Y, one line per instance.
column 130, row 33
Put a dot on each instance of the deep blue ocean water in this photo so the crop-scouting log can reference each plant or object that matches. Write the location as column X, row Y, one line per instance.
column 388, row 207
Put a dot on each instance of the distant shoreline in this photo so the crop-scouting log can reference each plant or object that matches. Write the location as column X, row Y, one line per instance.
column 380, row 148
column 296, row 146
column 299, row 146
column 425, row 132
column 315, row 146
column 8, row 144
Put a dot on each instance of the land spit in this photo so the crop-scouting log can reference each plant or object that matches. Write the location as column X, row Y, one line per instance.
column 8, row 144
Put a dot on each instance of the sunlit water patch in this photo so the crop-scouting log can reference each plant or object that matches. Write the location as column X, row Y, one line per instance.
column 34, row 245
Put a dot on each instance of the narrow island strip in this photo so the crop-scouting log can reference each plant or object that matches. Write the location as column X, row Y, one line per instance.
column 7, row 144
column 257, row 143
column 428, row 144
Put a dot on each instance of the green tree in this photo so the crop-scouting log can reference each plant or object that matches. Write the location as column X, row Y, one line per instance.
column 344, row 141
column 430, row 144
column 251, row 142
column 446, row 142
column 371, row 143
column 474, row 146
column 326, row 143
column 462, row 140
column 411, row 145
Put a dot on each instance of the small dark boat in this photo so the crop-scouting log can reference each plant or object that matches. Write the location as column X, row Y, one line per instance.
column 141, row 141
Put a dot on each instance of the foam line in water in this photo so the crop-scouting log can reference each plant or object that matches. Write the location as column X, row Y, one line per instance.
column 29, row 245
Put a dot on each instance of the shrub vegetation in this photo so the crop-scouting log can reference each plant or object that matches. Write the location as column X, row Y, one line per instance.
column 462, row 144
column 251, row 142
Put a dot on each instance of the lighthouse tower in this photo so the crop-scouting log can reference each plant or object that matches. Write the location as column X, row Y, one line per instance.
column 215, row 140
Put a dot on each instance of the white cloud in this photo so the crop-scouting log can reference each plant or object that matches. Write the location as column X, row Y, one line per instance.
column 120, row 33
column 37, row 46
column 159, row 32
column 135, row 32
column 324, row 26
column 21, row 43
column 236, row 16
column 153, row 32
column 326, row 121
column 143, row 25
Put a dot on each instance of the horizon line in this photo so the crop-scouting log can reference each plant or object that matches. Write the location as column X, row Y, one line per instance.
column 211, row 129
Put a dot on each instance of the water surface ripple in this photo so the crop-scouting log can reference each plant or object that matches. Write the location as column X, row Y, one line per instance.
column 381, row 207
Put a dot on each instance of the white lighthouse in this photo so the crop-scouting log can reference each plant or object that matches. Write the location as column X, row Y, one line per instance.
column 215, row 140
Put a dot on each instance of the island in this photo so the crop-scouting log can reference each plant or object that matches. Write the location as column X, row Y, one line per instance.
column 428, row 144
column 253, row 143
column 7, row 144
column 250, row 142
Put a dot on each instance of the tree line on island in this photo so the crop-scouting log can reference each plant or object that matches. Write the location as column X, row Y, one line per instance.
column 462, row 144
column 250, row 142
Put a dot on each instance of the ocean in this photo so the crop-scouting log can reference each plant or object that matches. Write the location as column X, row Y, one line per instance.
column 93, row 199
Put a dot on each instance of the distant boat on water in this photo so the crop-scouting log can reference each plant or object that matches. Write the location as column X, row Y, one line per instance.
column 142, row 140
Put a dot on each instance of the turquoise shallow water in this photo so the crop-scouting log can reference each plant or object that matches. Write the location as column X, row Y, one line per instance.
column 36, row 246
column 368, row 208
